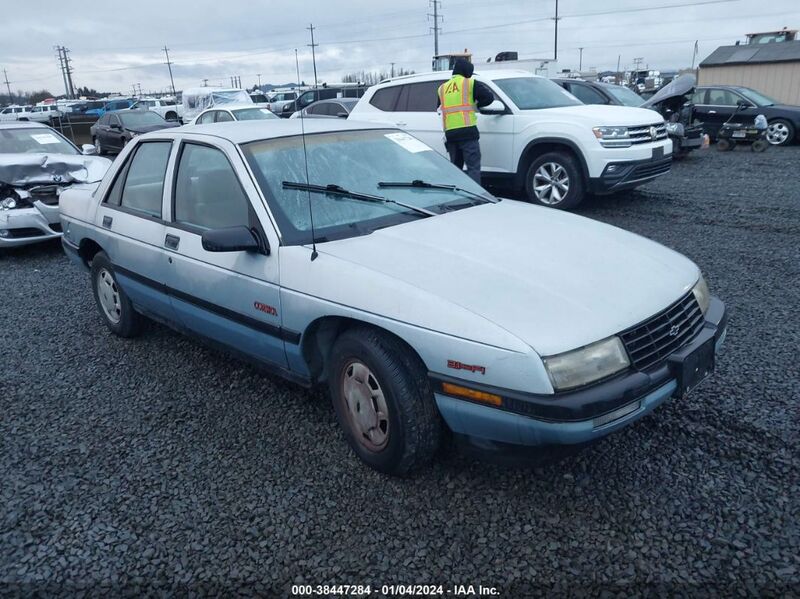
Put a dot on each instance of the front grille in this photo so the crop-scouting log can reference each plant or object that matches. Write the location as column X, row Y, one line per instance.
column 46, row 194
column 651, row 169
column 642, row 135
column 650, row 342
column 56, row 227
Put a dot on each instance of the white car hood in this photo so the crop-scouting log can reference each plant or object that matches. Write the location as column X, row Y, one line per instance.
column 596, row 116
column 554, row 280
column 28, row 169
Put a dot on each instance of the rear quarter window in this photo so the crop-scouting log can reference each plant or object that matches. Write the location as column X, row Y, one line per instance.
column 385, row 99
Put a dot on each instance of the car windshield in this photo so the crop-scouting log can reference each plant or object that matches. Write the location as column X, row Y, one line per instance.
column 231, row 97
column 34, row 141
column 356, row 161
column 253, row 114
column 624, row 95
column 132, row 120
column 532, row 93
column 757, row 98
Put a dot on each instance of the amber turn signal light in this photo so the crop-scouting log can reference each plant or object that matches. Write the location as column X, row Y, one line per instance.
column 472, row 394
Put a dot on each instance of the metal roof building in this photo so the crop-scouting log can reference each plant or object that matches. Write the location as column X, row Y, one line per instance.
column 772, row 68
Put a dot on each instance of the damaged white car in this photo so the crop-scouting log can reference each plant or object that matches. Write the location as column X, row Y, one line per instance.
column 36, row 164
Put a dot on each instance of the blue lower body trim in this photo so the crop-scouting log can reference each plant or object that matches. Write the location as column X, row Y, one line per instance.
column 480, row 421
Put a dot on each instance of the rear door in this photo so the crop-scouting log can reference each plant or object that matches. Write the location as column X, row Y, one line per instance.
column 230, row 297
column 415, row 111
column 719, row 106
column 130, row 217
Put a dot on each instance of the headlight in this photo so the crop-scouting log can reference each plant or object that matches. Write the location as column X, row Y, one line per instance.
column 8, row 204
column 613, row 137
column 702, row 295
column 675, row 129
column 587, row 364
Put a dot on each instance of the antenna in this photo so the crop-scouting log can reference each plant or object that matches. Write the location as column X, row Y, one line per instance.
column 314, row 253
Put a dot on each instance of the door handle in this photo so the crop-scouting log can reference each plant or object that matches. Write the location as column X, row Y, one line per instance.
column 401, row 124
column 712, row 112
column 172, row 241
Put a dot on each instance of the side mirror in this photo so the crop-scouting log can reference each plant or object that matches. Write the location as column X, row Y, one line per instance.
column 342, row 115
column 741, row 105
column 496, row 107
column 115, row 126
column 231, row 239
column 88, row 150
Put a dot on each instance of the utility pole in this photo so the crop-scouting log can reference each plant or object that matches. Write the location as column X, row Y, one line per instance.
column 580, row 61
column 259, row 80
column 169, row 66
column 313, row 52
column 392, row 70
column 619, row 75
column 8, row 87
column 205, row 82
column 68, row 71
column 63, row 71
column 555, row 37
column 436, row 29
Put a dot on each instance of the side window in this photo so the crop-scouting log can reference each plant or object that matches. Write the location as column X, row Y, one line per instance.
column 586, row 94
column 207, row 191
column 699, row 96
column 104, row 119
column 418, row 97
column 223, row 116
column 385, row 99
column 144, row 182
column 721, row 97
column 208, row 117
column 113, row 119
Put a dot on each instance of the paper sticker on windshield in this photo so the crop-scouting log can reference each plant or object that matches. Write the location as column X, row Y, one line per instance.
column 409, row 143
column 45, row 138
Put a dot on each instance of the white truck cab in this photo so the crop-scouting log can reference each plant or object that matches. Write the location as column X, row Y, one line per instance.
column 167, row 108
column 536, row 135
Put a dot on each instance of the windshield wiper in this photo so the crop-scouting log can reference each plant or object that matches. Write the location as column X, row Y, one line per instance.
column 419, row 184
column 336, row 190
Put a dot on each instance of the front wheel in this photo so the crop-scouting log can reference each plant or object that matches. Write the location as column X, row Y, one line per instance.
column 554, row 180
column 114, row 306
column 759, row 145
column 724, row 145
column 780, row 132
column 383, row 401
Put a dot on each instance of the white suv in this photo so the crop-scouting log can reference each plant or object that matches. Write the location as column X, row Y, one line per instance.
column 536, row 135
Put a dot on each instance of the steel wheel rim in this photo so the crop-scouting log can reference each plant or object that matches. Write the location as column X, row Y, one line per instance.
column 777, row 133
column 365, row 406
column 108, row 296
column 551, row 183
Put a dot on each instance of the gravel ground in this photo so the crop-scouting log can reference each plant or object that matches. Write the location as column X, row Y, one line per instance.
column 158, row 465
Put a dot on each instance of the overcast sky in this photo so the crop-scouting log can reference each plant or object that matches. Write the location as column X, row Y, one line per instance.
column 116, row 44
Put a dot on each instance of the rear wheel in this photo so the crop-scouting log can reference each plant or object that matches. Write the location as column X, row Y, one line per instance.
column 780, row 132
column 759, row 145
column 383, row 401
column 171, row 116
column 723, row 145
column 554, row 179
column 114, row 306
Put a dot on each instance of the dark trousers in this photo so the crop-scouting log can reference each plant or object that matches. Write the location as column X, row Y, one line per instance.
column 466, row 152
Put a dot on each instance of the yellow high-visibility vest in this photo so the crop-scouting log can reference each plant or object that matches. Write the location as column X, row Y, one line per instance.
column 457, row 98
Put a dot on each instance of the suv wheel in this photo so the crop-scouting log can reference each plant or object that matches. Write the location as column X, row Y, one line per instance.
column 114, row 306
column 554, row 180
column 780, row 132
column 383, row 401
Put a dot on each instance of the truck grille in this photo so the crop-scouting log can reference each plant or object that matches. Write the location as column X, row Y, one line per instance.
column 650, row 342
column 642, row 135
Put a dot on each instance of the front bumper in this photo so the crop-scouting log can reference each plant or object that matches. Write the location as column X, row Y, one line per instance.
column 575, row 416
column 618, row 176
column 23, row 226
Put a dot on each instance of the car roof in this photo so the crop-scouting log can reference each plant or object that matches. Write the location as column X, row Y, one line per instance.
column 439, row 75
column 240, row 132
column 23, row 125
column 232, row 107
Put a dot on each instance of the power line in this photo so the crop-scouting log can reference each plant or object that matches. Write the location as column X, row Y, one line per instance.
column 436, row 29
column 313, row 52
column 169, row 66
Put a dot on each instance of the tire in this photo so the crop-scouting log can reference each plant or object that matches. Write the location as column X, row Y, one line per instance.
column 724, row 145
column 759, row 145
column 780, row 132
column 560, row 168
column 403, row 427
column 100, row 150
column 171, row 116
column 114, row 306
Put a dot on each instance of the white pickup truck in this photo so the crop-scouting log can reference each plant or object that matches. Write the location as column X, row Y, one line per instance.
column 168, row 108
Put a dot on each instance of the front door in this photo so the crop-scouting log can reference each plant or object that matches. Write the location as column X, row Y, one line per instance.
column 719, row 106
column 230, row 297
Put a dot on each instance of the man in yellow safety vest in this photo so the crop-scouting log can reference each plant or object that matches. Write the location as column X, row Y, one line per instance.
column 459, row 100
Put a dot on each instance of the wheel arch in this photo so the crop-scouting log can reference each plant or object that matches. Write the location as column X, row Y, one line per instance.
column 319, row 337
column 540, row 146
column 88, row 249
